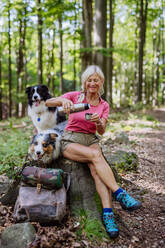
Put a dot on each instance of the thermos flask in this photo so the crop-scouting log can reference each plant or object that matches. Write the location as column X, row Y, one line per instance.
column 77, row 107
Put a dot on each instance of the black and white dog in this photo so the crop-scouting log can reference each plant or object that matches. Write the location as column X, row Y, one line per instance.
column 43, row 117
column 45, row 146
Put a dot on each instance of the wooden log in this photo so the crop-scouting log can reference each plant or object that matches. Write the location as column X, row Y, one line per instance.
column 82, row 191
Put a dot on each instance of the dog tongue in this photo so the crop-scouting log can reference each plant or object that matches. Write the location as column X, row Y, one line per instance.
column 39, row 156
column 37, row 103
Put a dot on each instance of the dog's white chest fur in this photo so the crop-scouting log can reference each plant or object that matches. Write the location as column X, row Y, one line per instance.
column 41, row 117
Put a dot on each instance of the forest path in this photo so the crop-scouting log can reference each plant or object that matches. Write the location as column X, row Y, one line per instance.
column 147, row 225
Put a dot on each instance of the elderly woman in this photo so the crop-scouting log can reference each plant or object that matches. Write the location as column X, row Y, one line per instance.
column 80, row 143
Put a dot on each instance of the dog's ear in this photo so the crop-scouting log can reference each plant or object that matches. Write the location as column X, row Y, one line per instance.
column 53, row 136
column 33, row 139
column 44, row 87
column 28, row 89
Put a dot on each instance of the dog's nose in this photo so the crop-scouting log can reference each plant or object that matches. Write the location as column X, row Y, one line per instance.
column 35, row 97
column 38, row 152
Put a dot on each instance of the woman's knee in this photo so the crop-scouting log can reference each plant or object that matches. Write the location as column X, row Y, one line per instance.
column 96, row 154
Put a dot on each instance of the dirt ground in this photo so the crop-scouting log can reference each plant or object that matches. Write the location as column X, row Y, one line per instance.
column 144, row 227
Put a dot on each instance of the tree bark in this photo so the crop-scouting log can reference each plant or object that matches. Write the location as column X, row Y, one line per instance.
column 110, row 58
column 24, row 57
column 40, row 23
column 9, row 61
column 163, row 55
column 61, row 55
column 100, row 31
column 52, row 63
column 74, row 47
column 48, row 61
column 0, row 78
column 86, row 55
column 135, row 82
column 157, row 66
column 82, row 190
column 143, row 21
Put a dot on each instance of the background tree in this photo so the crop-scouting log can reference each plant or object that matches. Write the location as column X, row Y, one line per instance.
column 0, row 77
column 40, row 55
column 86, row 43
column 110, row 57
column 21, row 65
column 142, row 38
column 99, row 36
column 9, row 59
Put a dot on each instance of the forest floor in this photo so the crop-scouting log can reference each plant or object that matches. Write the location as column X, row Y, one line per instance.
column 144, row 227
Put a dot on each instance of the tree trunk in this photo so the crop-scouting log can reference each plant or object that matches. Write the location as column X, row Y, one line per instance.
column 61, row 55
column 24, row 58
column 74, row 47
column 52, row 63
column 48, row 61
column 143, row 21
column 82, row 192
column 110, row 58
column 40, row 23
column 0, row 79
column 20, row 69
column 100, row 31
column 9, row 62
column 135, row 82
column 157, row 66
column 86, row 55
column 163, row 56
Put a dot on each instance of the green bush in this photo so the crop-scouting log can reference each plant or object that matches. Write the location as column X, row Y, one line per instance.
column 14, row 142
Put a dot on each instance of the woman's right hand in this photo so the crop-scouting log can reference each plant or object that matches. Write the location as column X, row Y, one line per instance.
column 60, row 101
column 67, row 105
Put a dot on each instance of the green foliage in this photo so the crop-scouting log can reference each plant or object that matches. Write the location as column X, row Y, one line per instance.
column 116, row 116
column 124, row 161
column 14, row 143
column 149, row 117
column 92, row 228
column 125, row 47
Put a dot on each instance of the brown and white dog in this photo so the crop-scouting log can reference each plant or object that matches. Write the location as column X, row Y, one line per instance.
column 45, row 147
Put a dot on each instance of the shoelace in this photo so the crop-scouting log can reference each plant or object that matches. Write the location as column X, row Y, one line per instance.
column 126, row 199
column 110, row 222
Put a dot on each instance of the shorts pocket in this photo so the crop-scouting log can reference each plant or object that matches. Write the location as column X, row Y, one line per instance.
column 67, row 136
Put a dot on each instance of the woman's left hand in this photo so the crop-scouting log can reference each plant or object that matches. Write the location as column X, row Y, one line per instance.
column 95, row 118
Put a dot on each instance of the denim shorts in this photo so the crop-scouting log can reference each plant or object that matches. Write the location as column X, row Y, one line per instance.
column 86, row 139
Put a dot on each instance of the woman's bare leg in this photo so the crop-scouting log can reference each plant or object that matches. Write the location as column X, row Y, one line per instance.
column 103, row 191
column 92, row 154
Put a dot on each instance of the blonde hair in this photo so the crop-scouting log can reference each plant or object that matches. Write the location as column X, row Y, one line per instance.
column 90, row 70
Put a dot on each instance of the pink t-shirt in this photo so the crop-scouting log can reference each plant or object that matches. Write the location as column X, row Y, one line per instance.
column 77, row 121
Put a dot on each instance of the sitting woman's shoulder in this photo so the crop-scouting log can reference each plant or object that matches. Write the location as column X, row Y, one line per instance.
column 72, row 95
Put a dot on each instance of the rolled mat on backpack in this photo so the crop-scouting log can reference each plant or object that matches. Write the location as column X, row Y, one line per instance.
column 47, row 177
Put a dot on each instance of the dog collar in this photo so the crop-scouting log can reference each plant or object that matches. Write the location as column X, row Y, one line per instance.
column 39, row 114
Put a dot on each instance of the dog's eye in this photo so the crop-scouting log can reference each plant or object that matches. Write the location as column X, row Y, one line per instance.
column 36, row 143
column 44, row 145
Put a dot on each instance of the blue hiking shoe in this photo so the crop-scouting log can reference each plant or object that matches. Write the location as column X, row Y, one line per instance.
column 128, row 202
column 110, row 225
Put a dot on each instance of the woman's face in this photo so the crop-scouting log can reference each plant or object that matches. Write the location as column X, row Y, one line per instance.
column 93, row 83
